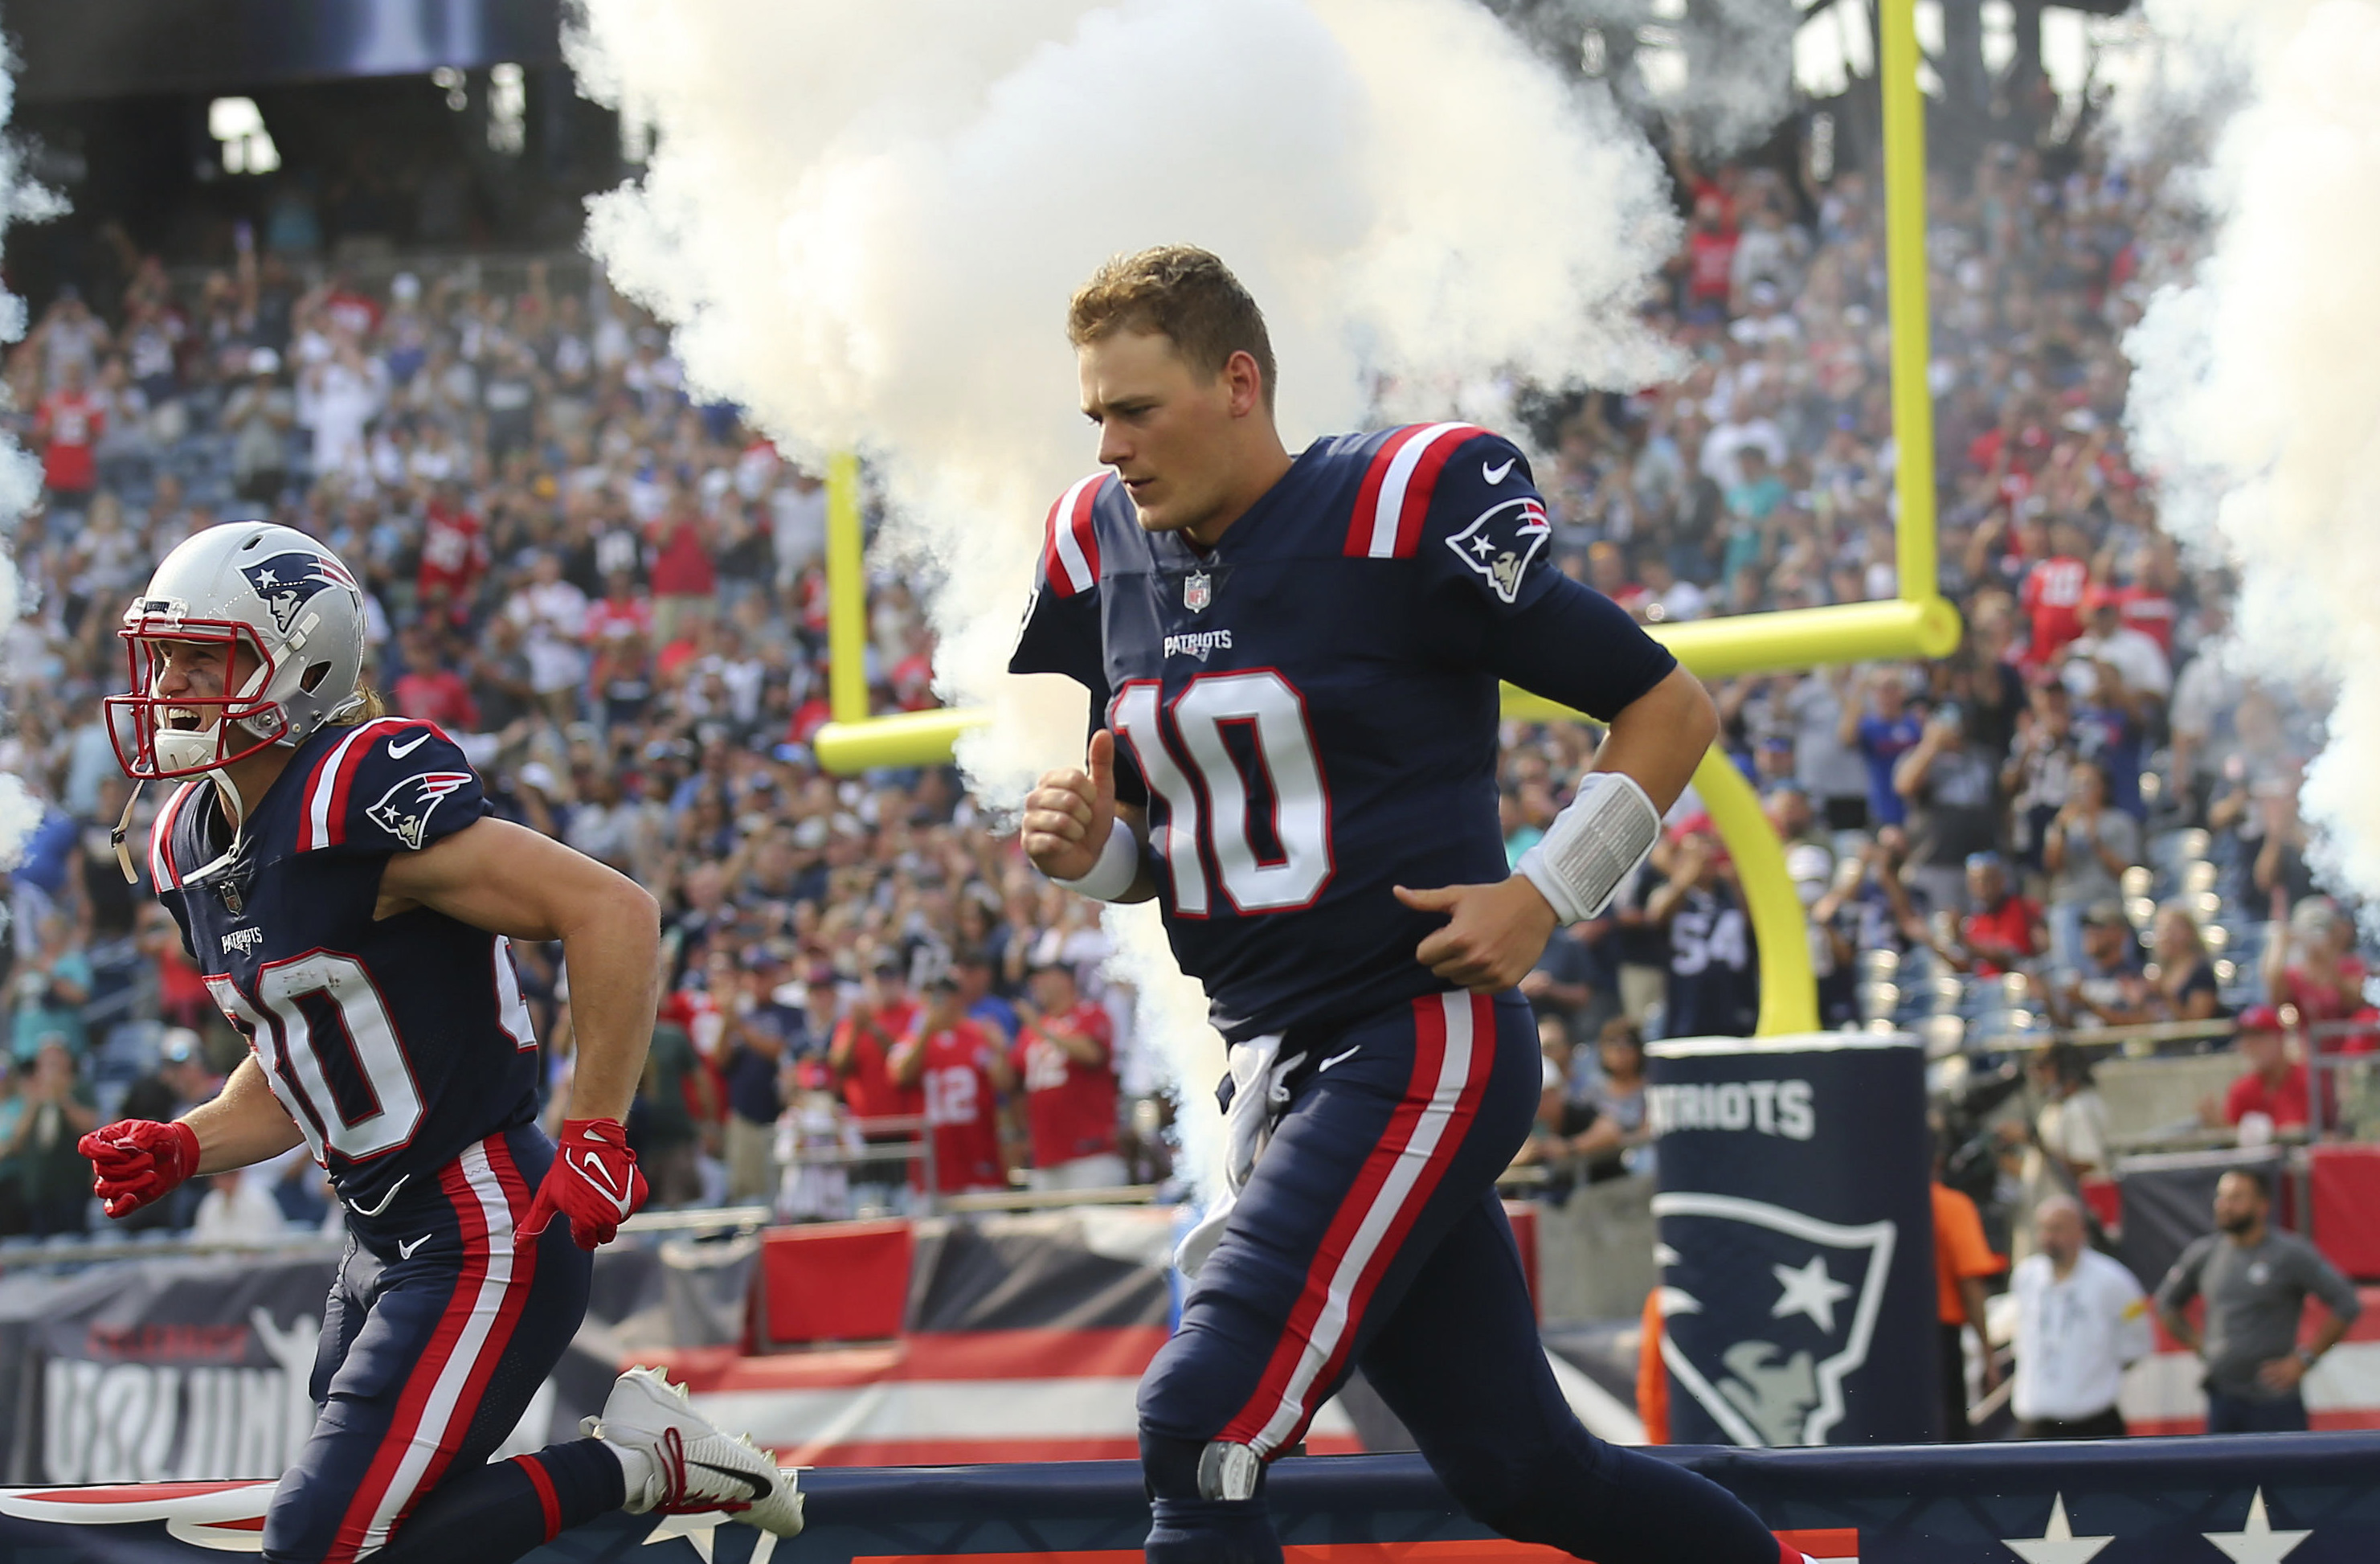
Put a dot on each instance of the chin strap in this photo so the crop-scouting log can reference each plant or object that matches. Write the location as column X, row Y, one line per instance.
column 122, row 829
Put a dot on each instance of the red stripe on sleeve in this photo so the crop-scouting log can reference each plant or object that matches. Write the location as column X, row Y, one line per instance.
column 1367, row 498
column 334, row 824
column 1424, row 485
column 1086, row 536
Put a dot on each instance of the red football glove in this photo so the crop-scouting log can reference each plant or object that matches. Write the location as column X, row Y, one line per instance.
column 136, row 1161
column 593, row 1182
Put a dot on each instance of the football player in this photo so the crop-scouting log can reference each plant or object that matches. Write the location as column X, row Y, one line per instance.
column 338, row 878
column 1292, row 663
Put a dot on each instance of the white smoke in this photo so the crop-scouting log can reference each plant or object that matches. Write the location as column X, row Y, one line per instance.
column 2255, row 398
column 865, row 222
column 21, row 200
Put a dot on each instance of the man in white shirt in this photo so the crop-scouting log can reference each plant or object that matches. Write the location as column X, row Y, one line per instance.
column 2134, row 653
column 2082, row 1320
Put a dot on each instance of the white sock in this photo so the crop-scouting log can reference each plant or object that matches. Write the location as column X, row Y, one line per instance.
column 638, row 1472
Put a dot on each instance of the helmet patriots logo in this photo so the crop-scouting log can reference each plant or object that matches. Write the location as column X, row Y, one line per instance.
column 286, row 581
column 404, row 810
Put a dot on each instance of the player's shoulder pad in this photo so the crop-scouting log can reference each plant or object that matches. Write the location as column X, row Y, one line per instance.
column 1482, row 513
column 1070, row 538
column 394, row 784
column 1422, row 471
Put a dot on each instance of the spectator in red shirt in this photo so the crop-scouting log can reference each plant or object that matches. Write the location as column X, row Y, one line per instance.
column 1711, row 262
column 621, row 611
column 684, row 579
column 2052, row 595
column 1066, row 1055
column 859, row 1055
column 431, row 691
column 453, row 555
column 2005, row 930
column 2275, row 1085
column 959, row 1065
column 2310, row 965
column 67, row 428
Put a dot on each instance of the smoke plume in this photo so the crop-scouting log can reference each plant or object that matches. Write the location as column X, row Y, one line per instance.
column 20, row 475
column 864, row 223
column 2255, row 398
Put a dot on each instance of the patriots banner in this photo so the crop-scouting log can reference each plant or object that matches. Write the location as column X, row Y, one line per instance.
column 1796, row 1238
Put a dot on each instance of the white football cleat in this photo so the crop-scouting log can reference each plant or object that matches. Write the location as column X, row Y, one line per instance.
column 697, row 1465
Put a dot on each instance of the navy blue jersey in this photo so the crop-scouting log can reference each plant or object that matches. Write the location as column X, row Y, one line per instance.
column 1308, row 710
column 395, row 1043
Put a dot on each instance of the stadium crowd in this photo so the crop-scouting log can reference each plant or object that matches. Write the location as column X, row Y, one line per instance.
column 614, row 598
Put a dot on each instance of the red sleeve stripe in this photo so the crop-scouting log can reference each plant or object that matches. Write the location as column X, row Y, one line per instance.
column 326, row 790
column 1398, row 486
column 1070, row 554
column 162, row 875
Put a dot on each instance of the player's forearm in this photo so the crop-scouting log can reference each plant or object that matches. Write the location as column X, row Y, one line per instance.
column 1660, row 737
column 613, row 956
column 243, row 1123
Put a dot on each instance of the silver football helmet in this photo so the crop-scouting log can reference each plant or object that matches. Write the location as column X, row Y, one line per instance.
column 289, row 619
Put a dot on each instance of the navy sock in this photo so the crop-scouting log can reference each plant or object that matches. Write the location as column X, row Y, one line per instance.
column 494, row 1514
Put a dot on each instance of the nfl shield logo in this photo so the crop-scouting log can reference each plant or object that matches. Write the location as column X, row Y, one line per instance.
column 1770, row 1376
column 1197, row 590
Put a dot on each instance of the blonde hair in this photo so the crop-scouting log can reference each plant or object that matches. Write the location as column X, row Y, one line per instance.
column 1180, row 292
column 366, row 706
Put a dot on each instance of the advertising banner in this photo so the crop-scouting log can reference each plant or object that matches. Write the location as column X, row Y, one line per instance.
column 1796, row 1238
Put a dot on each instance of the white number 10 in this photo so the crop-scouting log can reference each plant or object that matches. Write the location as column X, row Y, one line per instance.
column 1217, row 816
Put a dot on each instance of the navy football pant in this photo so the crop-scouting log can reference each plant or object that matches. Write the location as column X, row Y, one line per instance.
column 425, row 1367
column 1370, row 1233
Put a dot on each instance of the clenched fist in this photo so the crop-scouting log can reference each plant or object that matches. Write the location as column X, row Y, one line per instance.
column 1070, row 812
column 1494, row 933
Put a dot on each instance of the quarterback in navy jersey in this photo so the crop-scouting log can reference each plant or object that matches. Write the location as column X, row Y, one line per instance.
column 340, row 882
column 1293, row 666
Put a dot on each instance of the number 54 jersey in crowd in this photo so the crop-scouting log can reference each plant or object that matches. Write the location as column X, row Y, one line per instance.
column 1309, row 709
column 394, row 1043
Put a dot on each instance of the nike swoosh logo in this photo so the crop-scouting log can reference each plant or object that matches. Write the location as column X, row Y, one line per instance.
column 1337, row 1057
column 759, row 1485
column 590, row 1167
column 398, row 751
column 1497, row 474
column 405, row 1251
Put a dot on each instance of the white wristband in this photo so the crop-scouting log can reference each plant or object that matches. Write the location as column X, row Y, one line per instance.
column 1118, row 867
column 1593, row 846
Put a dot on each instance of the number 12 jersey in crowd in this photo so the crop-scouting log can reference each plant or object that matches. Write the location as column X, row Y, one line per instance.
column 1308, row 710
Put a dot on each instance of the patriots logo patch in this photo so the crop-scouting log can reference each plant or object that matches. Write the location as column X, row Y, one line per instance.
column 404, row 810
column 1501, row 541
column 1770, row 1376
column 287, row 581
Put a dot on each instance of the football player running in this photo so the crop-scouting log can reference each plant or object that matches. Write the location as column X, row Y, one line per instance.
column 338, row 878
column 1292, row 663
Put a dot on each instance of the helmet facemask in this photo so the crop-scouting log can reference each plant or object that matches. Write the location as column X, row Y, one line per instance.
column 156, row 738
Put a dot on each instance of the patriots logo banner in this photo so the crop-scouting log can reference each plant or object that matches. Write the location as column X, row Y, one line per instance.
column 287, row 581
column 404, row 810
column 1776, row 1380
column 1796, row 1240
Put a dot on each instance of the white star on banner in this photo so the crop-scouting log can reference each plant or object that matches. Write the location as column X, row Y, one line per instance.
column 700, row 1531
column 2058, row 1544
column 2258, row 1543
column 1811, row 1291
